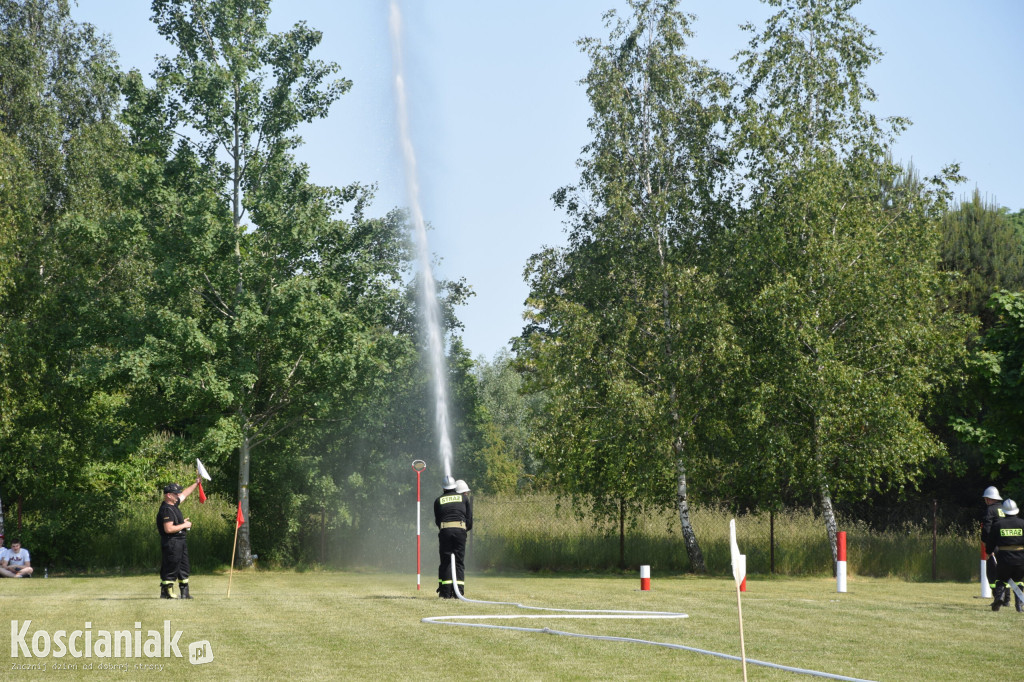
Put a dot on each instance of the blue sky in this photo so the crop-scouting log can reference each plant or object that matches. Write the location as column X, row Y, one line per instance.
column 498, row 116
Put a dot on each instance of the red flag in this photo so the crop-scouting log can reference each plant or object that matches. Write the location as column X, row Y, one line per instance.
column 202, row 495
column 240, row 519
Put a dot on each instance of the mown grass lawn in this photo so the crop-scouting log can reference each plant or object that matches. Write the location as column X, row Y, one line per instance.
column 352, row 626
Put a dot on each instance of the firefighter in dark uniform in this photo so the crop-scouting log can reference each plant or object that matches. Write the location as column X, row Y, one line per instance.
column 1006, row 541
column 993, row 512
column 173, row 527
column 453, row 515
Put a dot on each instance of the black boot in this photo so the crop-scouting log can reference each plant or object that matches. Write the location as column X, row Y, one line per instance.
column 183, row 591
column 997, row 595
column 165, row 591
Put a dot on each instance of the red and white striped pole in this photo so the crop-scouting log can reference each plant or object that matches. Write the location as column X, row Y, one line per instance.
column 841, row 563
column 645, row 578
column 986, row 588
column 418, row 466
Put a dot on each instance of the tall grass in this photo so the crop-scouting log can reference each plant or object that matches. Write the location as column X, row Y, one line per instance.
column 534, row 534
column 132, row 544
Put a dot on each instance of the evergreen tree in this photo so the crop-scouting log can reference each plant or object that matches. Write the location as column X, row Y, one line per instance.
column 981, row 242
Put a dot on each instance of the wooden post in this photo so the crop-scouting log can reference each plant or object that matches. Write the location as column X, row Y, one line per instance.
column 231, row 568
column 239, row 520
column 743, row 646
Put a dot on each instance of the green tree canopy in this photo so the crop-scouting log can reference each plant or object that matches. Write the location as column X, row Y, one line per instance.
column 997, row 420
column 981, row 242
column 839, row 301
column 628, row 339
column 274, row 298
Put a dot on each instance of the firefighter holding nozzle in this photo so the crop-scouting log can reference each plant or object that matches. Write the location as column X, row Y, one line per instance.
column 1005, row 541
column 453, row 515
column 993, row 512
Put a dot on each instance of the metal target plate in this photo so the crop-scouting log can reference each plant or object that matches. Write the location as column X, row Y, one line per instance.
column 419, row 465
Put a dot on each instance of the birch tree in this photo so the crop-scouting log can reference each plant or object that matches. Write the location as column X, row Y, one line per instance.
column 627, row 336
column 839, row 301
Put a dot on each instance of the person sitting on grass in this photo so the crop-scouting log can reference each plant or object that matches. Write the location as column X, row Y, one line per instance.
column 17, row 563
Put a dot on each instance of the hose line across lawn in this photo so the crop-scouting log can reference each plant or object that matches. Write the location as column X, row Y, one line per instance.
column 595, row 614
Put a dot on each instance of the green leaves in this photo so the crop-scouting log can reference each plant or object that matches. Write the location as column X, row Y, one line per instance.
column 749, row 304
column 627, row 330
column 998, row 369
column 850, row 335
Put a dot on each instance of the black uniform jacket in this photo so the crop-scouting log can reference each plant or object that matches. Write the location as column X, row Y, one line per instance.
column 992, row 513
column 170, row 512
column 1007, row 532
column 453, row 506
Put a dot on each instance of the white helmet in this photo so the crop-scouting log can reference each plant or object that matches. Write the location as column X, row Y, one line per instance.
column 991, row 493
column 461, row 486
column 449, row 483
column 1010, row 507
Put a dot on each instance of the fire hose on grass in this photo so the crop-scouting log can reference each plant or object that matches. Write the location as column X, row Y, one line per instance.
column 595, row 614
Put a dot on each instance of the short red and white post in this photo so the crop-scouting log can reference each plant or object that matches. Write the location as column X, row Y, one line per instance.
column 418, row 466
column 986, row 588
column 645, row 578
column 841, row 563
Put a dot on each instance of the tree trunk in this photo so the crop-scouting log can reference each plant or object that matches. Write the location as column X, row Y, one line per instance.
column 244, row 550
column 830, row 524
column 622, row 534
column 826, row 498
column 683, row 502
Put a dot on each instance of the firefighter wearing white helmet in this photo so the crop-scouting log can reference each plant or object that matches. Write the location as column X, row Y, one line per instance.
column 992, row 513
column 1006, row 543
column 453, row 516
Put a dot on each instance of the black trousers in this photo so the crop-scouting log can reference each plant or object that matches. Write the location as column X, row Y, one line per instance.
column 451, row 541
column 1006, row 571
column 174, row 563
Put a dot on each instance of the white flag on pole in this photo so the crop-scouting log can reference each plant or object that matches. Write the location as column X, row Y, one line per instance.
column 202, row 470
column 739, row 561
column 739, row 571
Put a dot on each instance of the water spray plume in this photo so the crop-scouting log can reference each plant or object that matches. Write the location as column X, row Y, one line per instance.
column 431, row 307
